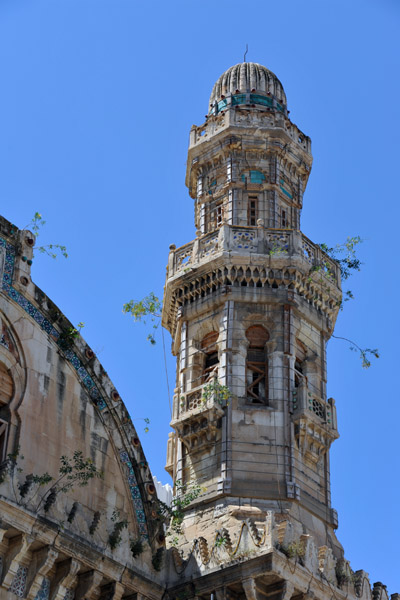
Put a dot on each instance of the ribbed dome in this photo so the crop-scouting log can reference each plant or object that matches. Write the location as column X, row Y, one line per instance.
column 246, row 77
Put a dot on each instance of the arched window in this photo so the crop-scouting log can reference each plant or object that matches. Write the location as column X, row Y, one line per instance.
column 256, row 365
column 210, row 350
column 6, row 394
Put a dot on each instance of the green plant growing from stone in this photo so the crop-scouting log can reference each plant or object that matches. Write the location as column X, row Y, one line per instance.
column 157, row 559
column 220, row 541
column 184, row 495
column 278, row 250
column 293, row 550
column 149, row 307
column 72, row 512
column 72, row 471
column 344, row 574
column 69, row 335
column 345, row 256
column 95, row 522
column 145, row 419
column 214, row 389
column 364, row 353
column 52, row 250
column 136, row 546
column 115, row 537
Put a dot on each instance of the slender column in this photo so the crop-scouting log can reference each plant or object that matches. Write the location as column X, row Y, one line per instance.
column 224, row 377
column 202, row 217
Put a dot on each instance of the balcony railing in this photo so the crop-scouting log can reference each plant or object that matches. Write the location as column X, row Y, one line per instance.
column 252, row 240
column 308, row 404
column 198, row 400
column 197, row 416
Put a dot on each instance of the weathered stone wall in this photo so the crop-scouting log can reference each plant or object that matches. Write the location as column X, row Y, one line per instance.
column 58, row 537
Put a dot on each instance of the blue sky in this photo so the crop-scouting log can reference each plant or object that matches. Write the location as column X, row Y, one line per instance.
column 97, row 100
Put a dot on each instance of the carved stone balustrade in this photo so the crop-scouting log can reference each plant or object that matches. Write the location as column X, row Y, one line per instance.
column 199, row 417
column 273, row 243
column 315, row 423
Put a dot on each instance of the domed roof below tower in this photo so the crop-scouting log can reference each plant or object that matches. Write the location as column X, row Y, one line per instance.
column 247, row 77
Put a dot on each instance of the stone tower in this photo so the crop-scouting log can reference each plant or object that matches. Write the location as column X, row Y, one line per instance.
column 250, row 305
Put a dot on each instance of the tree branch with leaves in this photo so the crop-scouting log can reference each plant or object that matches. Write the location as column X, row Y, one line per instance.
column 52, row 250
column 148, row 308
column 72, row 471
column 345, row 256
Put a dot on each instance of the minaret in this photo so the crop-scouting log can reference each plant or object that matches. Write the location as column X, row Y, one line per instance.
column 250, row 305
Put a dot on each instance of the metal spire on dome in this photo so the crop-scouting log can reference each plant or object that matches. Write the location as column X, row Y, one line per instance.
column 247, row 49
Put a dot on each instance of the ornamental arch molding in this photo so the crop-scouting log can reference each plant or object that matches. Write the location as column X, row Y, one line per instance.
column 13, row 385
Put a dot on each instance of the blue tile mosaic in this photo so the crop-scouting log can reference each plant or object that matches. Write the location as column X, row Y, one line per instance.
column 143, row 530
column 43, row 593
column 141, row 516
column 137, row 503
column 19, row 582
column 135, row 493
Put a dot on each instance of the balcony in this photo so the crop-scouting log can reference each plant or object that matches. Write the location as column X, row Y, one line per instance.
column 197, row 416
column 315, row 423
column 274, row 243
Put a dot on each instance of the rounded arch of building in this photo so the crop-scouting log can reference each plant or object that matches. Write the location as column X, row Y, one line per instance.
column 257, row 319
column 13, row 382
column 14, row 361
column 203, row 328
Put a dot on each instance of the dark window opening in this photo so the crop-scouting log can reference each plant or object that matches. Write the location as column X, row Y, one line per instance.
column 252, row 211
column 256, row 365
column 218, row 215
column 211, row 360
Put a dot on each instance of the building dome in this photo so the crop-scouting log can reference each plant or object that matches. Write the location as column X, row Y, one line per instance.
column 248, row 77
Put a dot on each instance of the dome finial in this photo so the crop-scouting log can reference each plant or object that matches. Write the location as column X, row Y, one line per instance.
column 244, row 57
